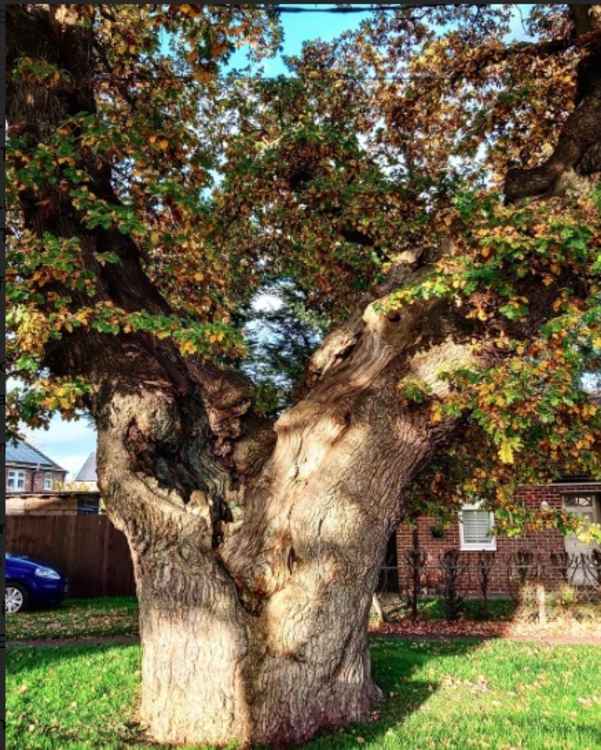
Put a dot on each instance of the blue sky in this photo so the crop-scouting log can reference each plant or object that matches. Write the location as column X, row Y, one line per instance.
column 70, row 443
column 301, row 27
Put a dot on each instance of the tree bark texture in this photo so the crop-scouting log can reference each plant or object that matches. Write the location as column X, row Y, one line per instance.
column 255, row 586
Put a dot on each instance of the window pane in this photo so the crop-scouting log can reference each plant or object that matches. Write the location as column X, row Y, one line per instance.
column 476, row 526
column 579, row 501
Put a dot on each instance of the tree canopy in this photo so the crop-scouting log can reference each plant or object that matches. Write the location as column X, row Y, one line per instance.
column 171, row 188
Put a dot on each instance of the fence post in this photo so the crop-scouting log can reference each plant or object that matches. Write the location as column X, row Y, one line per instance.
column 416, row 559
column 541, row 603
column 376, row 615
column 452, row 569
column 486, row 561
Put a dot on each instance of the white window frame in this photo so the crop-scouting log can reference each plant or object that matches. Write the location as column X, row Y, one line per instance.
column 48, row 482
column 15, row 480
column 464, row 546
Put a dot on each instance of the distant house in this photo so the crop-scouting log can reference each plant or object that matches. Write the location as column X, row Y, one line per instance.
column 28, row 470
column 86, row 478
column 554, row 557
column 473, row 534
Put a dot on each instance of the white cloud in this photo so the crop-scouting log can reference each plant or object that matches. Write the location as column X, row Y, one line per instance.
column 67, row 443
column 266, row 303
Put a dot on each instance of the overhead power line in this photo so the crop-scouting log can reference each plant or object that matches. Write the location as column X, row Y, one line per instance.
column 282, row 7
column 289, row 6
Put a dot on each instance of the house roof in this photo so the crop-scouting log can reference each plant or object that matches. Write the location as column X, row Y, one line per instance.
column 20, row 452
column 574, row 479
column 87, row 473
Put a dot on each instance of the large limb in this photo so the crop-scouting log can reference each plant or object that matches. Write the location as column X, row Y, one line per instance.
column 578, row 149
column 35, row 111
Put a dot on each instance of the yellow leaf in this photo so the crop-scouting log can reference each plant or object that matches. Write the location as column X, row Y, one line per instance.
column 163, row 144
column 187, row 347
column 506, row 453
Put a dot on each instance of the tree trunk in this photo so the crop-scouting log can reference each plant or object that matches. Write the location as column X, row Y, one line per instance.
column 217, row 666
column 208, row 674
column 255, row 590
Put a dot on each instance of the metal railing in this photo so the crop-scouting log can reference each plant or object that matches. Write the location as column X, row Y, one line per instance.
column 490, row 573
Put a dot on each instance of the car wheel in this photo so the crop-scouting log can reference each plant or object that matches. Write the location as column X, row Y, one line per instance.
column 15, row 598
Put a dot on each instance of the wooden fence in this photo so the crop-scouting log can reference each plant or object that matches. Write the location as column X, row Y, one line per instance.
column 88, row 549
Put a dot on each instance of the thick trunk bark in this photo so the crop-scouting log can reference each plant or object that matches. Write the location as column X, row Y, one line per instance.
column 194, row 646
column 255, row 591
column 208, row 677
column 224, row 659
column 217, row 669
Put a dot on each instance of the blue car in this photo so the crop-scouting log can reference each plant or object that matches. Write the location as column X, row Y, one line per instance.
column 29, row 583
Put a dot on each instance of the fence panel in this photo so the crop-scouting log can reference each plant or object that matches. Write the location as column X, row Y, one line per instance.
column 91, row 552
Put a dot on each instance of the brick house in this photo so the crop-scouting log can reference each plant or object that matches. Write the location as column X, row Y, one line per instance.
column 473, row 536
column 28, row 470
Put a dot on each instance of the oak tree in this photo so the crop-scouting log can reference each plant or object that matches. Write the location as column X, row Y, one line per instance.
column 426, row 184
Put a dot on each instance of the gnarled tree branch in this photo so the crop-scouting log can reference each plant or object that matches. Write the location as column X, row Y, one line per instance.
column 578, row 148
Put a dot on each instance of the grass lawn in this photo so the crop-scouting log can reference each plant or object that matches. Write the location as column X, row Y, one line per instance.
column 109, row 615
column 458, row 695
